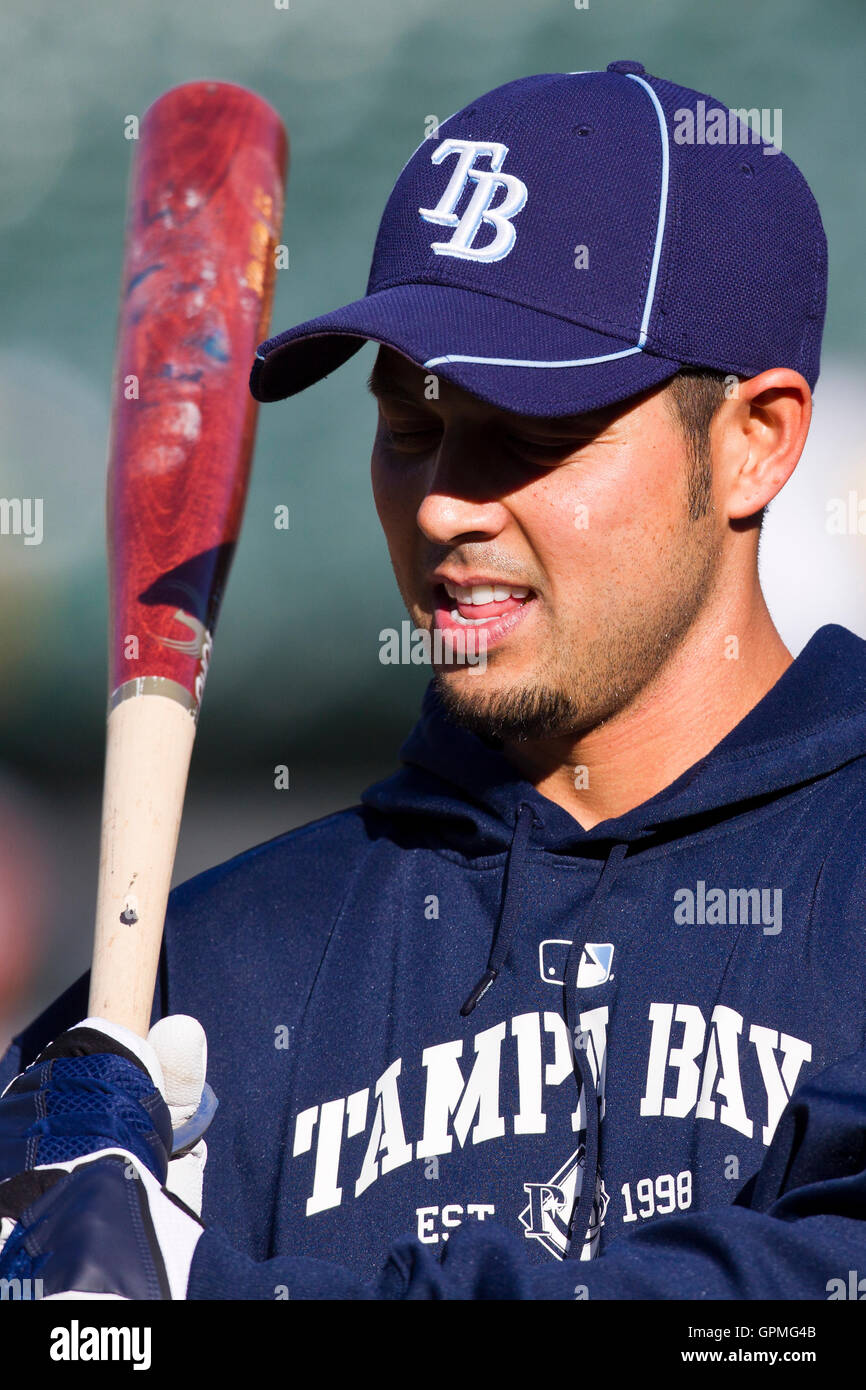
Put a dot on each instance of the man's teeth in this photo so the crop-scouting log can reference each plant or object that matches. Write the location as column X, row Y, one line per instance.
column 458, row 617
column 484, row 593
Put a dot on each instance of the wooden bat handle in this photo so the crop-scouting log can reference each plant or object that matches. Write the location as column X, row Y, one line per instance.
column 148, row 749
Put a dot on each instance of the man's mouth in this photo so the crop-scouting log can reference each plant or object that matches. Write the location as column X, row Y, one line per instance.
column 478, row 603
column 491, row 606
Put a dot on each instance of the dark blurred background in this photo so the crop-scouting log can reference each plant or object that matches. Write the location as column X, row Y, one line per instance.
column 296, row 678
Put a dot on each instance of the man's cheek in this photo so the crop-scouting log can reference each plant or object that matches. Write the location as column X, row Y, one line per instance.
column 385, row 491
column 396, row 518
column 586, row 510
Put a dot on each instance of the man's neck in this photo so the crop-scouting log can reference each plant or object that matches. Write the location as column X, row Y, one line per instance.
column 709, row 684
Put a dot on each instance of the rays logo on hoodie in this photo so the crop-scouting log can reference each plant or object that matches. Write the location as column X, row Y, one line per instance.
column 547, row 1215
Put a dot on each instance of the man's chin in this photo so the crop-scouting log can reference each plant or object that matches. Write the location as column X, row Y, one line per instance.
column 499, row 713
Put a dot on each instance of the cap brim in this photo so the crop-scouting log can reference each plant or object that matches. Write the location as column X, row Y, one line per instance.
column 514, row 358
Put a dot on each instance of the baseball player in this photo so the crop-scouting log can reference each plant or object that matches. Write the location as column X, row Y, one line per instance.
column 572, row 1004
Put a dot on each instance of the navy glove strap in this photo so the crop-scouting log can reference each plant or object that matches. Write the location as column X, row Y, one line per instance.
column 83, row 1093
column 91, row 1230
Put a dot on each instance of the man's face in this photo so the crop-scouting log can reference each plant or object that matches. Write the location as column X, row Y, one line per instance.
column 566, row 541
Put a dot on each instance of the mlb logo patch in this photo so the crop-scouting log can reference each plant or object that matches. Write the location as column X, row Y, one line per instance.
column 595, row 963
column 594, row 968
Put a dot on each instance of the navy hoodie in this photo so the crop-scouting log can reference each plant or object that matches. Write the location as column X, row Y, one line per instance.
column 465, row 1048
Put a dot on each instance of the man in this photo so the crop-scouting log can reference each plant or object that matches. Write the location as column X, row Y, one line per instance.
column 585, row 978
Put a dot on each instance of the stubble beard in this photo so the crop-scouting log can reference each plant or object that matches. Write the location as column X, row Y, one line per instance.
column 586, row 682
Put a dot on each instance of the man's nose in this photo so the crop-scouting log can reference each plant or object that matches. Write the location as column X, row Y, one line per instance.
column 462, row 499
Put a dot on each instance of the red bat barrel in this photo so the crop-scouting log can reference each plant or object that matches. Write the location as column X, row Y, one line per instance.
column 205, row 208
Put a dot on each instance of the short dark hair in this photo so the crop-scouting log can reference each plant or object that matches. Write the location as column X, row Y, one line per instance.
column 695, row 395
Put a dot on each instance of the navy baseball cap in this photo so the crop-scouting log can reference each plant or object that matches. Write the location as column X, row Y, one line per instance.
column 570, row 240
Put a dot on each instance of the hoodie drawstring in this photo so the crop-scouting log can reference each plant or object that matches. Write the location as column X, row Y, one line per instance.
column 583, row 1213
column 509, row 912
column 506, row 929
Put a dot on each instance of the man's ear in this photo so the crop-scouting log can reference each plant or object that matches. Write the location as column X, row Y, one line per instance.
column 758, row 436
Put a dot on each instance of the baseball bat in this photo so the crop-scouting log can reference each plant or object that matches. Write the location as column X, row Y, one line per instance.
column 204, row 215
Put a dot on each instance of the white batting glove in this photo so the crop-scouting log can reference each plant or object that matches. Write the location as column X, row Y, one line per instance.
column 180, row 1045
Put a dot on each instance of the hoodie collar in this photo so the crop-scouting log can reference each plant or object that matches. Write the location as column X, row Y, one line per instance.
column 810, row 723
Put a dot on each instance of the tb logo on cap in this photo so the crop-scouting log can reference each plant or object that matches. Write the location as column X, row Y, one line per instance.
column 478, row 209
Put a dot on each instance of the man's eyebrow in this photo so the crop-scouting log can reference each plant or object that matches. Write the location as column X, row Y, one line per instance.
column 379, row 383
column 589, row 422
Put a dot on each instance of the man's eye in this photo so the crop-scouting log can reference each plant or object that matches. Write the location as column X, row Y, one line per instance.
column 543, row 451
column 410, row 440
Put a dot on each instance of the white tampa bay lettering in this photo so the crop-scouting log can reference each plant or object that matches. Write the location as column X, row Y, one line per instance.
column 723, row 1056
column 448, row 1095
column 526, row 1028
column 467, row 1108
column 778, row 1083
column 530, row 1118
column 682, row 1058
column 326, row 1193
column 694, row 1067
column 387, row 1136
column 709, row 1066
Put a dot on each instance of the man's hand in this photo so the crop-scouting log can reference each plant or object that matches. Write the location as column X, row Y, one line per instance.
column 85, row 1143
column 101, row 1228
column 181, row 1048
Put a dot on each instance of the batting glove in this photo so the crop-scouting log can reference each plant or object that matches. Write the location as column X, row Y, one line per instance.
column 85, row 1140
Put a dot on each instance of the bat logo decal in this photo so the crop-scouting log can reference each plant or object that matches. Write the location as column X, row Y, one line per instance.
column 192, row 646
